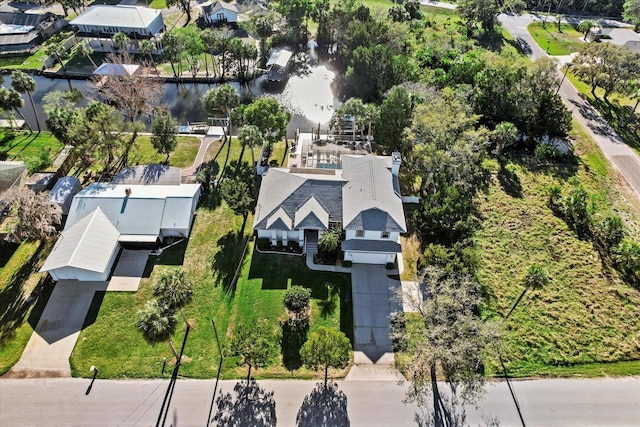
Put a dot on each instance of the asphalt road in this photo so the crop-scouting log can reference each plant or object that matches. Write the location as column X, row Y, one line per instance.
column 557, row 402
column 625, row 160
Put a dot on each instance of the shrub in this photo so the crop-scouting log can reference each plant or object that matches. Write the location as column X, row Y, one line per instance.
column 627, row 257
column 347, row 263
column 389, row 266
column 610, row 231
column 546, row 151
column 555, row 196
column 296, row 299
column 329, row 242
column 263, row 243
column 574, row 207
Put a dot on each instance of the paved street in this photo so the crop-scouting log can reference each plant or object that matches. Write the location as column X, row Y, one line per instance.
column 619, row 154
column 610, row 402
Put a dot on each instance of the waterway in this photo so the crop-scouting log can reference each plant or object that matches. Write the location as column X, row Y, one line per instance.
column 308, row 95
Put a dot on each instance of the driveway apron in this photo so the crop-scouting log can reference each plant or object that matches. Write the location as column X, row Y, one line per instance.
column 49, row 348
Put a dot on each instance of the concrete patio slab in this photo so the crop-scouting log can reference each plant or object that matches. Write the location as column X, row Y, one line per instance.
column 49, row 348
column 128, row 272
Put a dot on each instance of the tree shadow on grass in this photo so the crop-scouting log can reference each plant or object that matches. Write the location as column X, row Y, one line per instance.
column 509, row 180
column 225, row 262
column 330, row 303
column 324, row 406
column 294, row 335
column 249, row 405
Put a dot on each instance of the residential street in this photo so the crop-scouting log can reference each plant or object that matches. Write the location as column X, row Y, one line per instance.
column 618, row 153
column 610, row 402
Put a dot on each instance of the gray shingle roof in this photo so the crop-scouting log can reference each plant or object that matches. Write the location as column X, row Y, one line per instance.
column 370, row 201
column 312, row 215
column 279, row 221
column 281, row 189
column 219, row 5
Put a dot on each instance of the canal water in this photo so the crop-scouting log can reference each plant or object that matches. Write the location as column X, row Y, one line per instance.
column 308, row 95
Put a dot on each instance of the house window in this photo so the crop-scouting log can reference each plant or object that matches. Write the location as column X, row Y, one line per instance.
column 359, row 233
column 385, row 234
column 220, row 17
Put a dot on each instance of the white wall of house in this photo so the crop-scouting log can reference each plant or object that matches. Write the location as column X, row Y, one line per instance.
column 223, row 15
column 74, row 273
column 154, row 27
column 394, row 236
column 176, row 220
column 283, row 236
column 379, row 258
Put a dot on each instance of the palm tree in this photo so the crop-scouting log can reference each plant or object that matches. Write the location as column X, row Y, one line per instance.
column 174, row 290
column 157, row 323
column 10, row 99
column 585, row 25
column 22, row 83
column 535, row 278
column 121, row 41
column 146, row 47
column 250, row 135
column 86, row 50
column 222, row 99
column 263, row 26
column 329, row 242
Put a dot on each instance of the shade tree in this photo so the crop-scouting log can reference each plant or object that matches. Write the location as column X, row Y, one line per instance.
column 222, row 100
column 256, row 343
column 326, row 348
column 164, row 130
column 33, row 216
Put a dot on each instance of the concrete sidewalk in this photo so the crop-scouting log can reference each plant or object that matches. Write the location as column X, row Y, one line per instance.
column 49, row 348
column 128, row 271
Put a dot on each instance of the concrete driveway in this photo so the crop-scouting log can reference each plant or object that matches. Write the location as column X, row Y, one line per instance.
column 129, row 270
column 49, row 348
column 375, row 297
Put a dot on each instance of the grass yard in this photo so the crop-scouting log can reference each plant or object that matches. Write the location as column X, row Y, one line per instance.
column 555, row 42
column 586, row 320
column 19, row 280
column 183, row 156
column 210, row 257
column 29, row 62
column 34, row 149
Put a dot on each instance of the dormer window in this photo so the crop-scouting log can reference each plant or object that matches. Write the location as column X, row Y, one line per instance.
column 385, row 234
column 359, row 233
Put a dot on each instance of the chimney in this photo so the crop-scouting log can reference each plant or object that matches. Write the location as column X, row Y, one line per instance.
column 127, row 192
column 396, row 160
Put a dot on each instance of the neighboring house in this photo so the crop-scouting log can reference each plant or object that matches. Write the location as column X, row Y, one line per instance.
column 63, row 191
column 85, row 251
column 219, row 12
column 619, row 36
column 363, row 198
column 23, row 31
column 105, row 217
column 105, row 21
column 144, row 214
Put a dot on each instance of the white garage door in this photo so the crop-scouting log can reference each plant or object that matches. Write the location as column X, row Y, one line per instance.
column 368, row 257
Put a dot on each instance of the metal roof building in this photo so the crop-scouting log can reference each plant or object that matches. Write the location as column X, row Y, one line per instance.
column 131, row 20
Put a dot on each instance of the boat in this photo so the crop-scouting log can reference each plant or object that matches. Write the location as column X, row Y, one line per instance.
column 278, row 65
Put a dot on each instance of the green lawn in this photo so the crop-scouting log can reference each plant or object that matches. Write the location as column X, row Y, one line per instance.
column 158, row 4
column 29, row 62
column 30, row 148
column 210, row 257
column 183, row 156
column 18, row 280
column 587, row 314
column 555, row 42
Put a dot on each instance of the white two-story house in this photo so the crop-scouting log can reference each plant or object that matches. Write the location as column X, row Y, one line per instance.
column 299, row 204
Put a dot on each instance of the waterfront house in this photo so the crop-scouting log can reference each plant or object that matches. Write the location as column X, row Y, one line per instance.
column 363, row 197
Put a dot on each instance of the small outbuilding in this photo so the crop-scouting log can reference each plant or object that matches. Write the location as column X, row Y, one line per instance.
column 63, row 191
column 85, row 251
